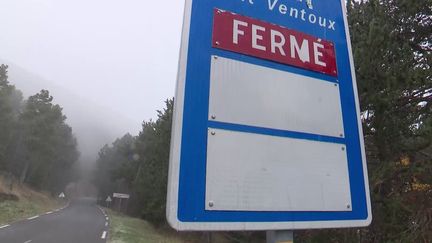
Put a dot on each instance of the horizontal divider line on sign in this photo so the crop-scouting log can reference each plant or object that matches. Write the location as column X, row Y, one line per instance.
column 274, row 132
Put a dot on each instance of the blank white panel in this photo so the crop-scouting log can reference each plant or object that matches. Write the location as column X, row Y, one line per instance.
column 251, row 172
column 248, row 94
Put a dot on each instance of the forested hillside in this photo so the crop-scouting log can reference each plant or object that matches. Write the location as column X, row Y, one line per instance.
column 139, row 165
column 393, row 57
column 36, row 144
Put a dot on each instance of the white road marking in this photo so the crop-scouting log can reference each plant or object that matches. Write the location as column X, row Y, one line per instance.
column 103, row 212
column 107, row 218
column 50, row 212
column 28, row 241
column 106, row 223
column 37, row 216
column 4, row 226
column 103, row 235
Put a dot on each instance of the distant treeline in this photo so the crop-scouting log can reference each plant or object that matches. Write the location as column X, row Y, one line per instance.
column 139, row 166
column 393, row 56
column 36, row 144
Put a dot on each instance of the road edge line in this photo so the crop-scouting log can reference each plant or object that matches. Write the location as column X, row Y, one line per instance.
column 34, row 217
column 104, row 234
column 4, row 226
column 21, row 219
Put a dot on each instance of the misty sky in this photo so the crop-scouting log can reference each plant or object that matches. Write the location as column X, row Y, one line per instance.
column 116, row 61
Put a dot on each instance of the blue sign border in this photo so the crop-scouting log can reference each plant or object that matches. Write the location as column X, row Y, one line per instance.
column 192, row 174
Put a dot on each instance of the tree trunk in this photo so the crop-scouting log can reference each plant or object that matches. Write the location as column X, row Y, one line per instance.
column 24, row 172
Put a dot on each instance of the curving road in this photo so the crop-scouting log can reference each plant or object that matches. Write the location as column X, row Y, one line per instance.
column 82, row 221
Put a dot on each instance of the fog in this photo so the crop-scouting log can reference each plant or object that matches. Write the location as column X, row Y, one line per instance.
column 93, row 124
column 109, row 64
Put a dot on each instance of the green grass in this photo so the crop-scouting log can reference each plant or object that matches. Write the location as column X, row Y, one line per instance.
column 124, row 229
column 11, row 211
column 27, row 202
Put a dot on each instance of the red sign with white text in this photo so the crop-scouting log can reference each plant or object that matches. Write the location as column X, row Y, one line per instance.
column 272, row 42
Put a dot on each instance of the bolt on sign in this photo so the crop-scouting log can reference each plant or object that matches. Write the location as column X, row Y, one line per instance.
column 266, row 129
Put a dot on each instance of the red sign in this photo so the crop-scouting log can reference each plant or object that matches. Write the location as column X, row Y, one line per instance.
column 260, row 39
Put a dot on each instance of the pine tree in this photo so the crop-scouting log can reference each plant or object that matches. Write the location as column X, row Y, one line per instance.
column 10, row 107
column 393, row 58
column 48, row 145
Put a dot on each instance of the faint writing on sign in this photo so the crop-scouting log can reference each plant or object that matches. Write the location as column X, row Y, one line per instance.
column 292, row 10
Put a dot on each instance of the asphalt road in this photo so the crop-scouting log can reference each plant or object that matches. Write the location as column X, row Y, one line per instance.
column 81, row 222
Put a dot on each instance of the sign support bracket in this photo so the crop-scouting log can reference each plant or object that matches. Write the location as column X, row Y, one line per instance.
column 280, row 236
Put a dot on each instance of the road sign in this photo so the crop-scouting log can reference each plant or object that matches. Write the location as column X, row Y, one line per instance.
column 266, row 130
column 62, row 195
column 108, row 199
column 121, row 195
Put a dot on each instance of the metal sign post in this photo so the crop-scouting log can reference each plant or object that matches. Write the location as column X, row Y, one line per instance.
column 108, row 201
column 280, row 236
column 120, row 197
column 266, row 128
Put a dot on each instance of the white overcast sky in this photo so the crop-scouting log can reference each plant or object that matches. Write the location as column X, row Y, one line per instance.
column 121, row 56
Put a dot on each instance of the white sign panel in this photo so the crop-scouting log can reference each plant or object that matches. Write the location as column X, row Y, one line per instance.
column 120, row 195
column 248, row 172
column 242, row 93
